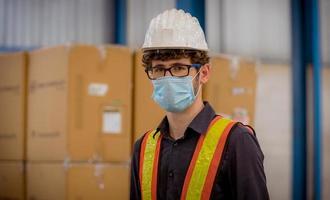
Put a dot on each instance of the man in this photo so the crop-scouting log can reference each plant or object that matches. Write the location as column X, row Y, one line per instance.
column 193, row 153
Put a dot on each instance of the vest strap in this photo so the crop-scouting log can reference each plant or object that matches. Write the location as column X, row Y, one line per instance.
column 149, row 157
column 206, row 159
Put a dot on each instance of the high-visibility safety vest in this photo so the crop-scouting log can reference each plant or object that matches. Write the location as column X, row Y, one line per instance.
column 203, row 166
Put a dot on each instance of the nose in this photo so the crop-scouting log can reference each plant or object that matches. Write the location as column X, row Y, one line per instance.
column 167, row 72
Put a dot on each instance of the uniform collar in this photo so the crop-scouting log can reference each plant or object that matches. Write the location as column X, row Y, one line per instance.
column 199, row 124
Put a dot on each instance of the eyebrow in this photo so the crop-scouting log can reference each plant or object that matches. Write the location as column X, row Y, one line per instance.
column 161, row 65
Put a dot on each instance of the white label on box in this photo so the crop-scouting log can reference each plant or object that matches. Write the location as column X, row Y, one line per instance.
column 238, row 91
column 111, row 122
column 97, row 89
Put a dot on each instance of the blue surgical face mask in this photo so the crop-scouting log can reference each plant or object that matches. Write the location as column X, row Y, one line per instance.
column 174, row 94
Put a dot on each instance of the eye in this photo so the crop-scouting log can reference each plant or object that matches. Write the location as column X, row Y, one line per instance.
column 178, row 68
column 157, row 69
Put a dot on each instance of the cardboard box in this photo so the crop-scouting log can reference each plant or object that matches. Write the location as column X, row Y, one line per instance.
column 84, row 181
column 231, row 89
column 80, row 103
column 13, row 80
column 12, row 180
column 147, row 114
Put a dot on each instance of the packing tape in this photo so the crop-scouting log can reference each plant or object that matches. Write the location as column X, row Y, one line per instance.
column 102, row 51
column 234, row 67
column 68, row 46
column 95, row 158
column 67, row 163
column 98, row 169
column 99, row 174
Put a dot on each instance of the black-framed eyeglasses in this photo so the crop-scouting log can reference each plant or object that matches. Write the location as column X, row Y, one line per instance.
column 177, row 70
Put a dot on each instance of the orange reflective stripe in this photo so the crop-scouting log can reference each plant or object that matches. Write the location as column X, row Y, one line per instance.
column 149, row 154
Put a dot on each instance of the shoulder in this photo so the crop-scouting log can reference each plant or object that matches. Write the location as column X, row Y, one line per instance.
column 242, row 165
column 242, row 132
column 242, row 139
column 137, row 144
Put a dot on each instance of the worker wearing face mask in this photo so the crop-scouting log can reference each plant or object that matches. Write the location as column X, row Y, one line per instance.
column 193, row 153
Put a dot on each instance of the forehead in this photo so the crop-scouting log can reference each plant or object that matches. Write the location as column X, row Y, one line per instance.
column 170, row 62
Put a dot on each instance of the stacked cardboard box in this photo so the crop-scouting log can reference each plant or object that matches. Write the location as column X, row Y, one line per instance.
column 53, row 181
column 231, row 89
column 79, row 118
column 13, row 79
column 12, row 180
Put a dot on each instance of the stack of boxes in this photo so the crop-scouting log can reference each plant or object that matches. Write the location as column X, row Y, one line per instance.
column 66, row 120
column 13, row 80
column 231, row 89
column 79, row 122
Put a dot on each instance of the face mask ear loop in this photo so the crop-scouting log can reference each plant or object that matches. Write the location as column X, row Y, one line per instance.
column 199, row 83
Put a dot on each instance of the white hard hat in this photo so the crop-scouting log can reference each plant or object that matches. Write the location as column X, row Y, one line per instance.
column 174, row 29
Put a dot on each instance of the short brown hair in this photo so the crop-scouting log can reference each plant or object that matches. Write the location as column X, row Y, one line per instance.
column 196, row 56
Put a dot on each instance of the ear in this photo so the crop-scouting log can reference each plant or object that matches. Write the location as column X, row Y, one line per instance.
column 205, row 73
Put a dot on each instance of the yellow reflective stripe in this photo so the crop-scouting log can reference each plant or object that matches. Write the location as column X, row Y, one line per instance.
column 148, row 165
column 204, row 159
